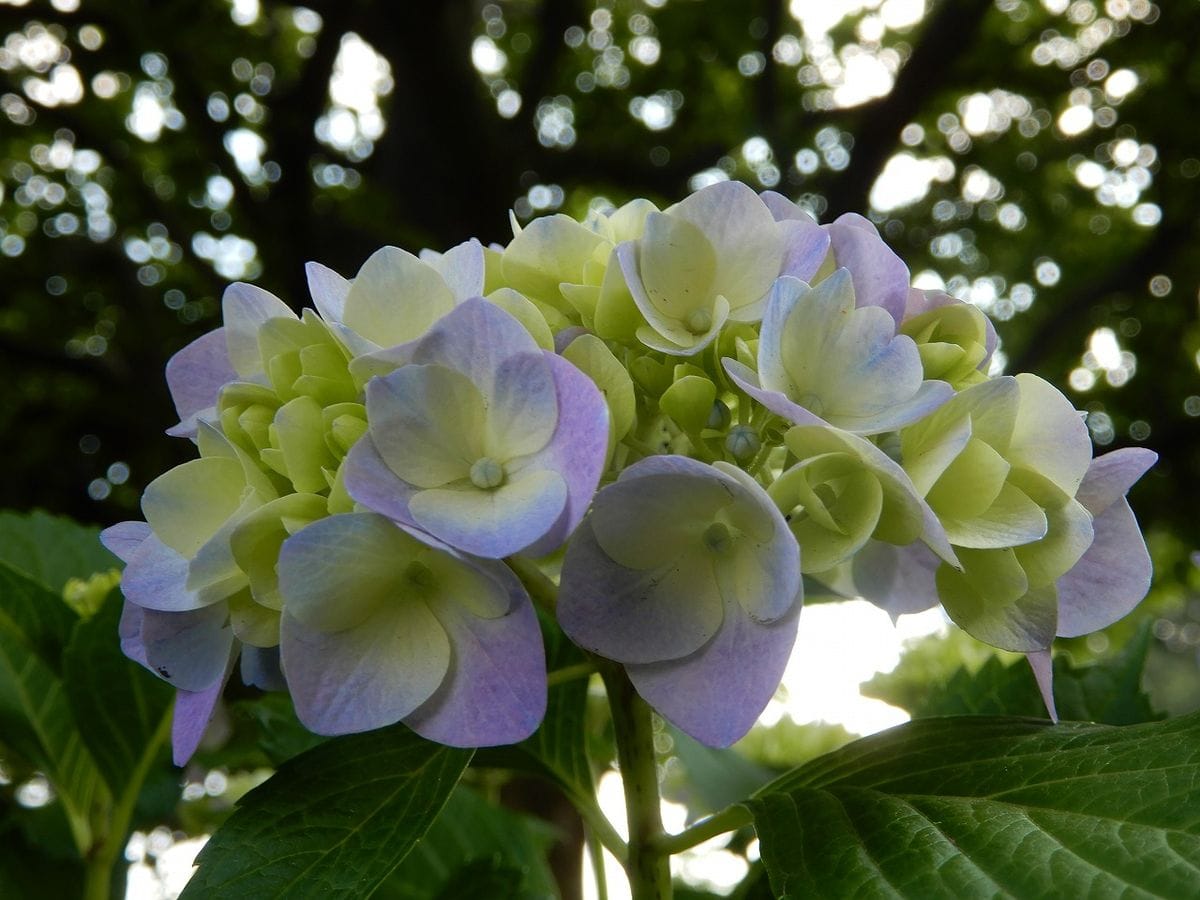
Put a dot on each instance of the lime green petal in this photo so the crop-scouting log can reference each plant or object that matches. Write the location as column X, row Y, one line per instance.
column 970, row 484
column 991, row 600
column 252, row 623
column 185, row 506
column 300, row 437
column 591, row 356
column 256, row 540
column 1067, row 538
column 617, row 317
column 1013, row 519
column 1049, row 436
column 547, row 252
column 395, row 298
column 689, row 401
column 525, row 312
column 676, row 264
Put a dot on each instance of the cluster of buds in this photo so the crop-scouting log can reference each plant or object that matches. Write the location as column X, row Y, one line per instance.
column 681, row 416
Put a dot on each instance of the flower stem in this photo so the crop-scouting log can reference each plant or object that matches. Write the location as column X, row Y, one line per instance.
column 542, row 590
column 729, row 819
column 570, row 673
column 648, row 868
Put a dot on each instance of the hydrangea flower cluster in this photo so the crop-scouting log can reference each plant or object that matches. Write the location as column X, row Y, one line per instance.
column 683, row 416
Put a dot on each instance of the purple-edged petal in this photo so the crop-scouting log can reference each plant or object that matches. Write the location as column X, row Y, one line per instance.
column 1109, row 477
column 462, row 268
column 880, row 276
column 1043, row 674
column 193, row 711
column 188, row 649
column 155, row 577
column 920, row 301
column 1111, row 577
column 495, row 693
column 577, row 449
column 367, row 676
column 195, row 375
column 328, row 290
column 636, row 615
column 245, row 308
column 124, row 538
column 370, row 482
column 492, row 523
column 474, row 338
column 805, row 246
column 717, row 693
column 748, row 381
column 395, row 298
column 898, row 580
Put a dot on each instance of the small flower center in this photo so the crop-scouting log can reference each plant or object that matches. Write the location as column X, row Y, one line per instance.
column 487, row 473
column 418, row 574
column 698, row 321
column 718, row 539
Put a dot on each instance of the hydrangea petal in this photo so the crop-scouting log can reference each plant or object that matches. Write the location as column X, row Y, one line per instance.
column 991, row 600
column 462, row 269
column 1012, row 519
column 495, row 693
column 427, row 423
column 244, row 308
column 395, row 298
column 495, row 522
column 195, row 376
column 1049, row 436
column 748, row 381
column 899, row 580
column 717, row 693
column 186, row 505
column 522, row 412
column 1111, row 577
column 367, row 676
column 805, row 246
column 155, row 577
column 188, row 649
column 193, row 711
column 260, row 668
column 1043, row 674
column 369, row 481
column 124, row 538
column 880, row 276
column 636, row 615
column 546, row 252
column 329, row 291
column 578, row 448
column 1109, row 477
column 676, row 265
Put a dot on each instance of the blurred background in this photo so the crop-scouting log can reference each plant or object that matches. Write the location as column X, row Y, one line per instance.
column 1040, row 158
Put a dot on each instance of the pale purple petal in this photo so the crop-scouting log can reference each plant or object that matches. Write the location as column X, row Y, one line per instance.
column 748, row 381
column 123, row 539
column 929, row 396
column 783, row 209
column 369, row 481
column 1043, row 673
column 1109, row 477
column 193, row 711
column 260, row 668
column 633, row 615
column 717, row 693
column 562, row 340
column 495, row 692
column 880, row 276
column 367, row 676
column 155, row 577
column 329, row 290
column 577, row 449
column 187, row 649
column 474, row 338
column 130, row 631
column 195, row 375
column 1111, row 577
column 805, row 246
column 899, row 580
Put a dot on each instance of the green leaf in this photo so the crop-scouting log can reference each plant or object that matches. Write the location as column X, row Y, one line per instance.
column 985, row 807
column 35, row 716
column 51, row 549
column 280, row 734
column 332, row 822
column 118, row 706
column 1108, row 691
column 489, row 878
column 469, row 832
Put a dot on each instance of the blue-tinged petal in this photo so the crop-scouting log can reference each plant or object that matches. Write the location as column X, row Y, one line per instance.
column 495, row 693
column 1109, row 477
column 155, row 577
column 748, row 381
column 370, row 675
column 244, row 308
column 636, row 615
column 880, row 276
column 523, row 410
column 898, row 580
column 193, row 711
column 492, row 522
column 195, row 376
column 328, row 290
column 124, row 538
column 370, row 482
column 717, row 693
column 474, row 339
column 805, row 246
column 1043, row 674
column 188, row 649
column 577, row 450
column 427, row 421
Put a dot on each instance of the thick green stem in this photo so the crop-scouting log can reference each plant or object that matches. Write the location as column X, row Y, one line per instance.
column 648, row 868
column 542, row 590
